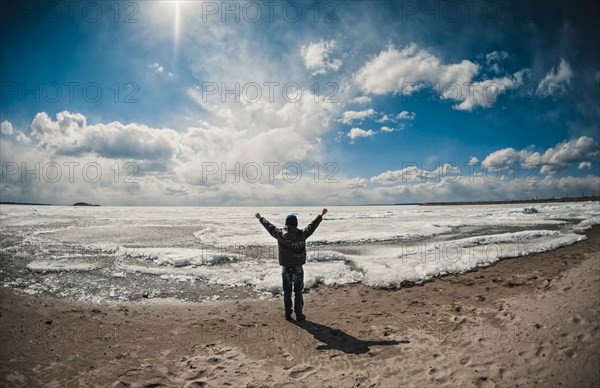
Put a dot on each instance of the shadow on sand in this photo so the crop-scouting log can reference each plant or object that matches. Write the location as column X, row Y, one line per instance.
column 340, row 340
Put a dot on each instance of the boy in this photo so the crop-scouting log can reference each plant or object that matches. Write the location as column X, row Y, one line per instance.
column 292, row 256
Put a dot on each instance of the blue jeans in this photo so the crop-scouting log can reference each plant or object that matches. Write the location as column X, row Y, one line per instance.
column 293, row 277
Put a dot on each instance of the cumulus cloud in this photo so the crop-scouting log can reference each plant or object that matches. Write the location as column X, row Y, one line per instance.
column 173, row 180
column 585, row 165
column 473, row 161
column 405, row 71
column 22, row 138
column 556, row 80
column 261, row 132
column 410, row 69
column 356, row 183
column 411, row 174
column 559, row 157
column 405, row 115
column 446, row 169
column 70, row 134
column 317, row 57
column 388, row 129
column 361, row 99
column 477, row 188
column 356, row 132
column 504, row 158
column 6, row 128
column 383, row 119
column 484, row 93
column 349, row 116
column 552, row 161
column 407, row 174
column 169, row 164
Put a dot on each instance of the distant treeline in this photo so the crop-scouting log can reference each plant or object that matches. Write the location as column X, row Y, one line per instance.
column 25, row 203
column 535, row 200
column 45, row 204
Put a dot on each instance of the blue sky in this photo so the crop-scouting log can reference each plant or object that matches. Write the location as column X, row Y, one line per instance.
column 426, row 101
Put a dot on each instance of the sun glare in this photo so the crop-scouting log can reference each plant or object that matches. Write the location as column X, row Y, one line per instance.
column 176, row 25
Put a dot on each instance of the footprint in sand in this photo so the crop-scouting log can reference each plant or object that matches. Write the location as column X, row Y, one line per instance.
column 439, row 375
column 302, row 372
column 195, row 384
column 463, row 360
column 576, row 319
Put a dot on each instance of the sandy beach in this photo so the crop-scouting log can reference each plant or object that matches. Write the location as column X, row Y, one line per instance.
column 528, row 321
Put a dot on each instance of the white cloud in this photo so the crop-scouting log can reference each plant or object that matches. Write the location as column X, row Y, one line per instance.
column 356, row 132
column 585, row 165
column 407, row 174
column 553, row 160
column 361, row 99
column 282, row 133
column 177, row 181
column 357, row 182
column 388, row 129
column 485, row 93
column 160, row 69
column 447, row 170
column 404, row 71
column 71, row 135
column 349, row 116
column 6, row 128
column 558, row 158
column 405, row 115
column 492, row 59
column 413, row 174
column 156, row 67
column 477, row 188
column 473, row 161
column 22, row 138
column 504, row 158
column 383, row 119
column 410, row 69
column 556, row 80
column 496, row 56
column 316, row 57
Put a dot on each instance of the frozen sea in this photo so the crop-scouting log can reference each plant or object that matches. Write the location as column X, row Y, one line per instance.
column 210, row 253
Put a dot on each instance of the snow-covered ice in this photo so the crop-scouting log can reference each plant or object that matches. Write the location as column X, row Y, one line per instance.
column 227, row 247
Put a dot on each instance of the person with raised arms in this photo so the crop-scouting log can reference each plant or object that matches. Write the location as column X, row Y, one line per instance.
column 292, row 256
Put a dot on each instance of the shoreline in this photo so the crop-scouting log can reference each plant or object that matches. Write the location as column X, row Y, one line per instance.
column 524, row 320
column 593, row 198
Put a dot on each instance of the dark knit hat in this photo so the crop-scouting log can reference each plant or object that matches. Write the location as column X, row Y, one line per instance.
column 291, row 220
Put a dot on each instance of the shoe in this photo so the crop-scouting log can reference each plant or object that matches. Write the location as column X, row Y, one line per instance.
column 288, row 316
column 300, row 317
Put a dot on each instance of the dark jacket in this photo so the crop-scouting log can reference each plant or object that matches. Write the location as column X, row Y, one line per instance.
column 291, row 241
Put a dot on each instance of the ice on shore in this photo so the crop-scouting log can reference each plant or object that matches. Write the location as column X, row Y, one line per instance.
column 62, row 265
column 382, row 246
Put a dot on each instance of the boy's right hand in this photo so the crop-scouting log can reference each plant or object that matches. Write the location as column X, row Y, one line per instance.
column 257, row 215
column 323, row 212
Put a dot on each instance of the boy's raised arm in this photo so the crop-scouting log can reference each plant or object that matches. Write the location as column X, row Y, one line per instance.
column 272, row 229
column 310, row 229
